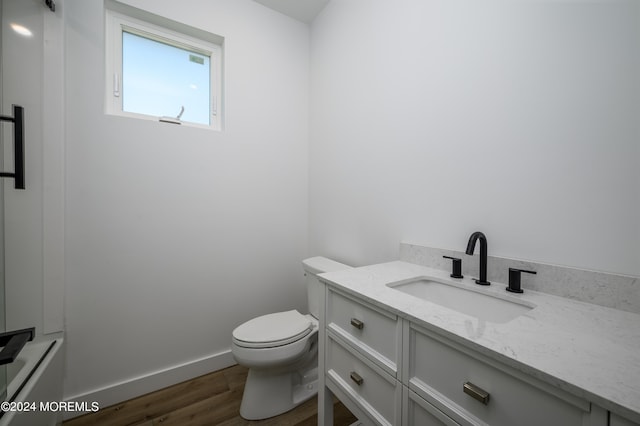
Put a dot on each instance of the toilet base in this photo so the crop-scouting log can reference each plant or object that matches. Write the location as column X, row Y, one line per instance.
column 267, row 394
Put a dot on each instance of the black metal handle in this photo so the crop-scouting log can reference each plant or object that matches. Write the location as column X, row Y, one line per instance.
column 356, row 378
column 357, row 323
column 476, row 393
column 51, row 5
column 456, row 268
column 514, row 280
column 13, row 342
column 18, row 146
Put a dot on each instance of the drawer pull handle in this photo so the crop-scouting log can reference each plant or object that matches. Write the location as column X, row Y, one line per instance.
column 357, row 323
column 356, row 378
column 476, row 393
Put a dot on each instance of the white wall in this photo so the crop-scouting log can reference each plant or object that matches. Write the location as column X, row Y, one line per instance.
column 175, row 235
column 433, row 119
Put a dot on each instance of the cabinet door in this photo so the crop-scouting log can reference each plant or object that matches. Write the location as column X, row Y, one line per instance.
column 418, row 412
column 370, row 330
column 473, row 389
column 370, row 388
column 615, row 420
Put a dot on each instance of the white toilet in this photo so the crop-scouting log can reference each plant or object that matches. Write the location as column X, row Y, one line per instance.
column 281, row 352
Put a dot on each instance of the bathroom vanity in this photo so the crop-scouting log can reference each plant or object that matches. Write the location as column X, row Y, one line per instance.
column 393, row 356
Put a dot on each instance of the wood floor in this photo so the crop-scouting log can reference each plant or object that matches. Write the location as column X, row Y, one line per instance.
column 212, row 399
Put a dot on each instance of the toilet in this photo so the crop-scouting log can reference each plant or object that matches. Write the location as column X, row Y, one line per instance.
column 281, row 352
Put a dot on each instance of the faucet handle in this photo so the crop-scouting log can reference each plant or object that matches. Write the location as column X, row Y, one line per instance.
column 514, row 280
column 456, row 269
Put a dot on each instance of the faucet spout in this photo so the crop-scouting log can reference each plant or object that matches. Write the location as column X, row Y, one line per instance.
column 471, row 245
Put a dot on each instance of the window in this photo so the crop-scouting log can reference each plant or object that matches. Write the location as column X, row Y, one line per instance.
column 157, row 69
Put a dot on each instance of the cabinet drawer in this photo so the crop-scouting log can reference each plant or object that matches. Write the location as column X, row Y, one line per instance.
column 373, row 390
column 420, row 412
column 374, row 332
column 438, row 371
column 615, row 420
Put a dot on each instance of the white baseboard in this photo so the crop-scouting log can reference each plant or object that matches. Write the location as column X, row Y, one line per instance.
column 115, row 393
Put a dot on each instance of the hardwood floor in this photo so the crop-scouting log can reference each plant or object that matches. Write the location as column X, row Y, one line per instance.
column 212, row 399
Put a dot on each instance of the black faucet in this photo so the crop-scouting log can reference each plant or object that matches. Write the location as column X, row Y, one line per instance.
column 471, row 245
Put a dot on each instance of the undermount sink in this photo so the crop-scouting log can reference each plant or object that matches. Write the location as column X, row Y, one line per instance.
column 469, row 302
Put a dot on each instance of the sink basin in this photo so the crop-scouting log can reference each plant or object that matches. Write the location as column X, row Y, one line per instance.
column 467, row 301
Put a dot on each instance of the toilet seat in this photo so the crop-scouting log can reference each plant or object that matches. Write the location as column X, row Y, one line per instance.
column 272, row 330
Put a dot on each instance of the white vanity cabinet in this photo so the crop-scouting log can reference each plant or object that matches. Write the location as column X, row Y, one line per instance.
column 390, row 371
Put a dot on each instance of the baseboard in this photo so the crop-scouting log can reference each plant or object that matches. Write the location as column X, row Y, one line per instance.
column 138, row 386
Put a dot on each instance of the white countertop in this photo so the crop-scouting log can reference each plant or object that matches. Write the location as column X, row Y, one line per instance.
column 588, row 350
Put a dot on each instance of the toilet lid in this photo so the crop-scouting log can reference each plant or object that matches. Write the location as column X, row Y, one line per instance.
column 273, row 329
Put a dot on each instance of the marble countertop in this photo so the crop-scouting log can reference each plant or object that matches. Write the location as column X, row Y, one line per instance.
column 588, row 350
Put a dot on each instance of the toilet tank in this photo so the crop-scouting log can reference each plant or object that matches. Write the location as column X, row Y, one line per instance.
column 312, row 267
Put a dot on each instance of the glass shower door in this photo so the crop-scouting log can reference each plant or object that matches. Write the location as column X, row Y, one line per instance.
column 3, row 368
column 22, row 83
column 12, row 173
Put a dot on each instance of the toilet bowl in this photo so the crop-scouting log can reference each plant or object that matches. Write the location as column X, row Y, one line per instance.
column 281, row 352
column 282, row 371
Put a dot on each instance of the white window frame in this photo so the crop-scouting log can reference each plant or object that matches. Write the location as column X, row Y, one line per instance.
column 116, row 23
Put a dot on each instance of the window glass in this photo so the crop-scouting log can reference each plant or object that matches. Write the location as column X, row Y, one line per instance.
column 159, row 79
column 162, row 70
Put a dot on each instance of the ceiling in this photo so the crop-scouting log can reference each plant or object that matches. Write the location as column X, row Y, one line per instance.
column 302, row 10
